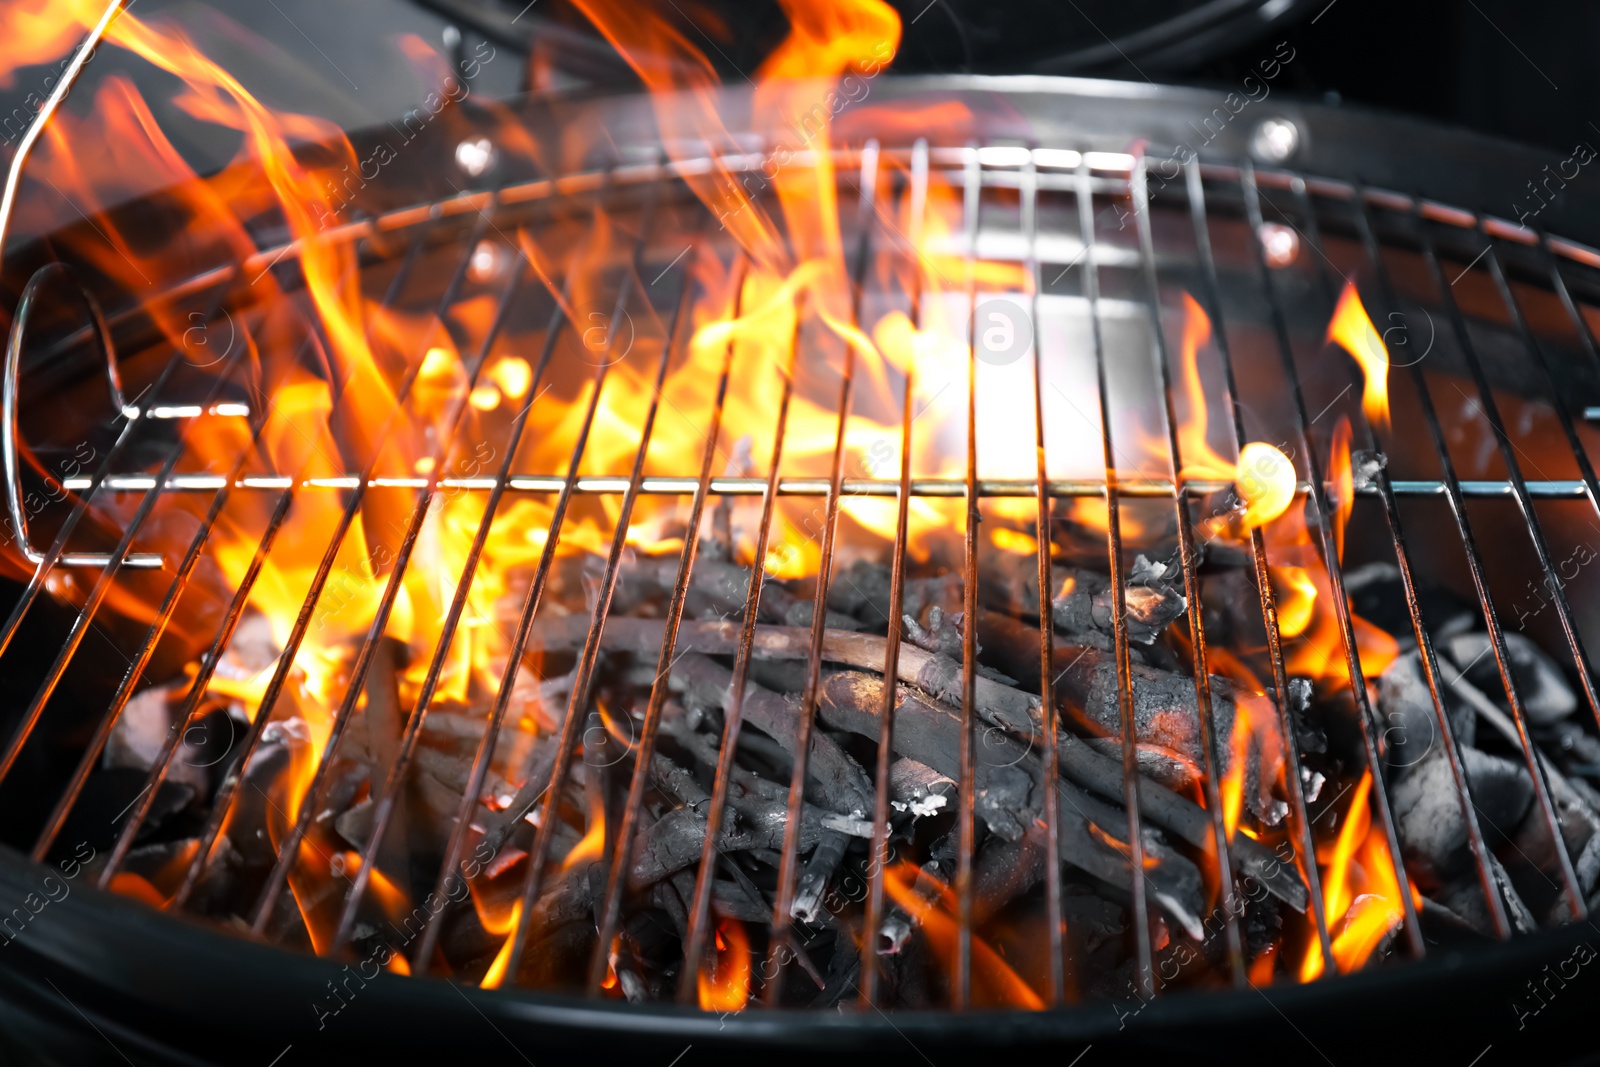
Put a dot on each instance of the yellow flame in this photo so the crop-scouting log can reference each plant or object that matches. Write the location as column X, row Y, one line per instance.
column 1352, row 330
column 1265, row 481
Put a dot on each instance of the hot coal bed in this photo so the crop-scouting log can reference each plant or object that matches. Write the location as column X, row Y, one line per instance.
column 654, row 699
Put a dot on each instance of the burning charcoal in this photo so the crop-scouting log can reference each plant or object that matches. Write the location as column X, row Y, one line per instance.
column 1378, row 595
column 931, row 878
column 1157, row 764
column 355, row 824
column 1463, row 896
column 720, row 588
column 947, row 640
column 919, row 789
column 1152, row 602
column 843, row 785
column 1411, row 724
column 937, row 637
column 251, row 649
column 452, row 771
column 930, row 733
column 1010, row 584
column 1433, row 833
column 819, row 870
column 938, row 675
column 1545, row 695
column 141, row 731
column 862, row 589
column 1164, row 703
column 1170, row 878
column 1579, row 821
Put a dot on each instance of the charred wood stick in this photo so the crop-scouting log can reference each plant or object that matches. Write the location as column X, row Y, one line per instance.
column 1164, row 702
column 1086, row 603
column 843, row 784
column 1007, row 788
column 755, row 798
column 1006, row 779
column 669, row 845
column 938, row 675
column 722, row 586
column 1103, row 775
column 930, row 734
column 932, row 876
column 825, row 859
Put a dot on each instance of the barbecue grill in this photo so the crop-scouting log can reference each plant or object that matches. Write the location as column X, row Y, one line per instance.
column 1102, row 194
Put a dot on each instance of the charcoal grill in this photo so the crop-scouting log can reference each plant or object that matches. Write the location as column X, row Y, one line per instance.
column 1055, row 160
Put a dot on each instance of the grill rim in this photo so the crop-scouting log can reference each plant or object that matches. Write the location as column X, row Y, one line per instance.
column 68, row 938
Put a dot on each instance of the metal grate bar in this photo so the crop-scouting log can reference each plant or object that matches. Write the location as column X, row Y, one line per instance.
column 878, row 858
column 1419, row 629
column 530, row 608
column 615, row 485
column 97, row 594
column 1049, row 714
column 733, row 718
column 385, row 801
column 230, row 621
column 1491, row 412
column 1322, row 514
column 197, row 691
column 583, row 684
column 1145, row 982
column 644, row 750
column 289, row 849
column 783, row 901
column 966, row 828
column 1535, row 763
column 1189, row 558
column 1580, row 655
column 135, row 672
column 222, row 803
column 1306, row 852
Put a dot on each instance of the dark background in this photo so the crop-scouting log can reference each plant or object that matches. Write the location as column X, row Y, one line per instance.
column 1524, row 69
column 1528, row 70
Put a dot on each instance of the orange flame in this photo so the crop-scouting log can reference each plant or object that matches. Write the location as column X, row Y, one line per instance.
column 1352, row 330
column 1342, row 475
column 502, row 959
column 992, row 978
column 1297, row 599
column 724, row 981
column 1361, row 892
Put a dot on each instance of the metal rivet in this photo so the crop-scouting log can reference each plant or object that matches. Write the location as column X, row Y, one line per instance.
column 476, row 156
column 1280, row 243
column 1275, row 140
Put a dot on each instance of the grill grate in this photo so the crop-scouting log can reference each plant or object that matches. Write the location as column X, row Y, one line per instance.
column 981, row 172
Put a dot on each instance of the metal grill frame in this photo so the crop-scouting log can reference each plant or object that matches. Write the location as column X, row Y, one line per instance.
column 1091, row 173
